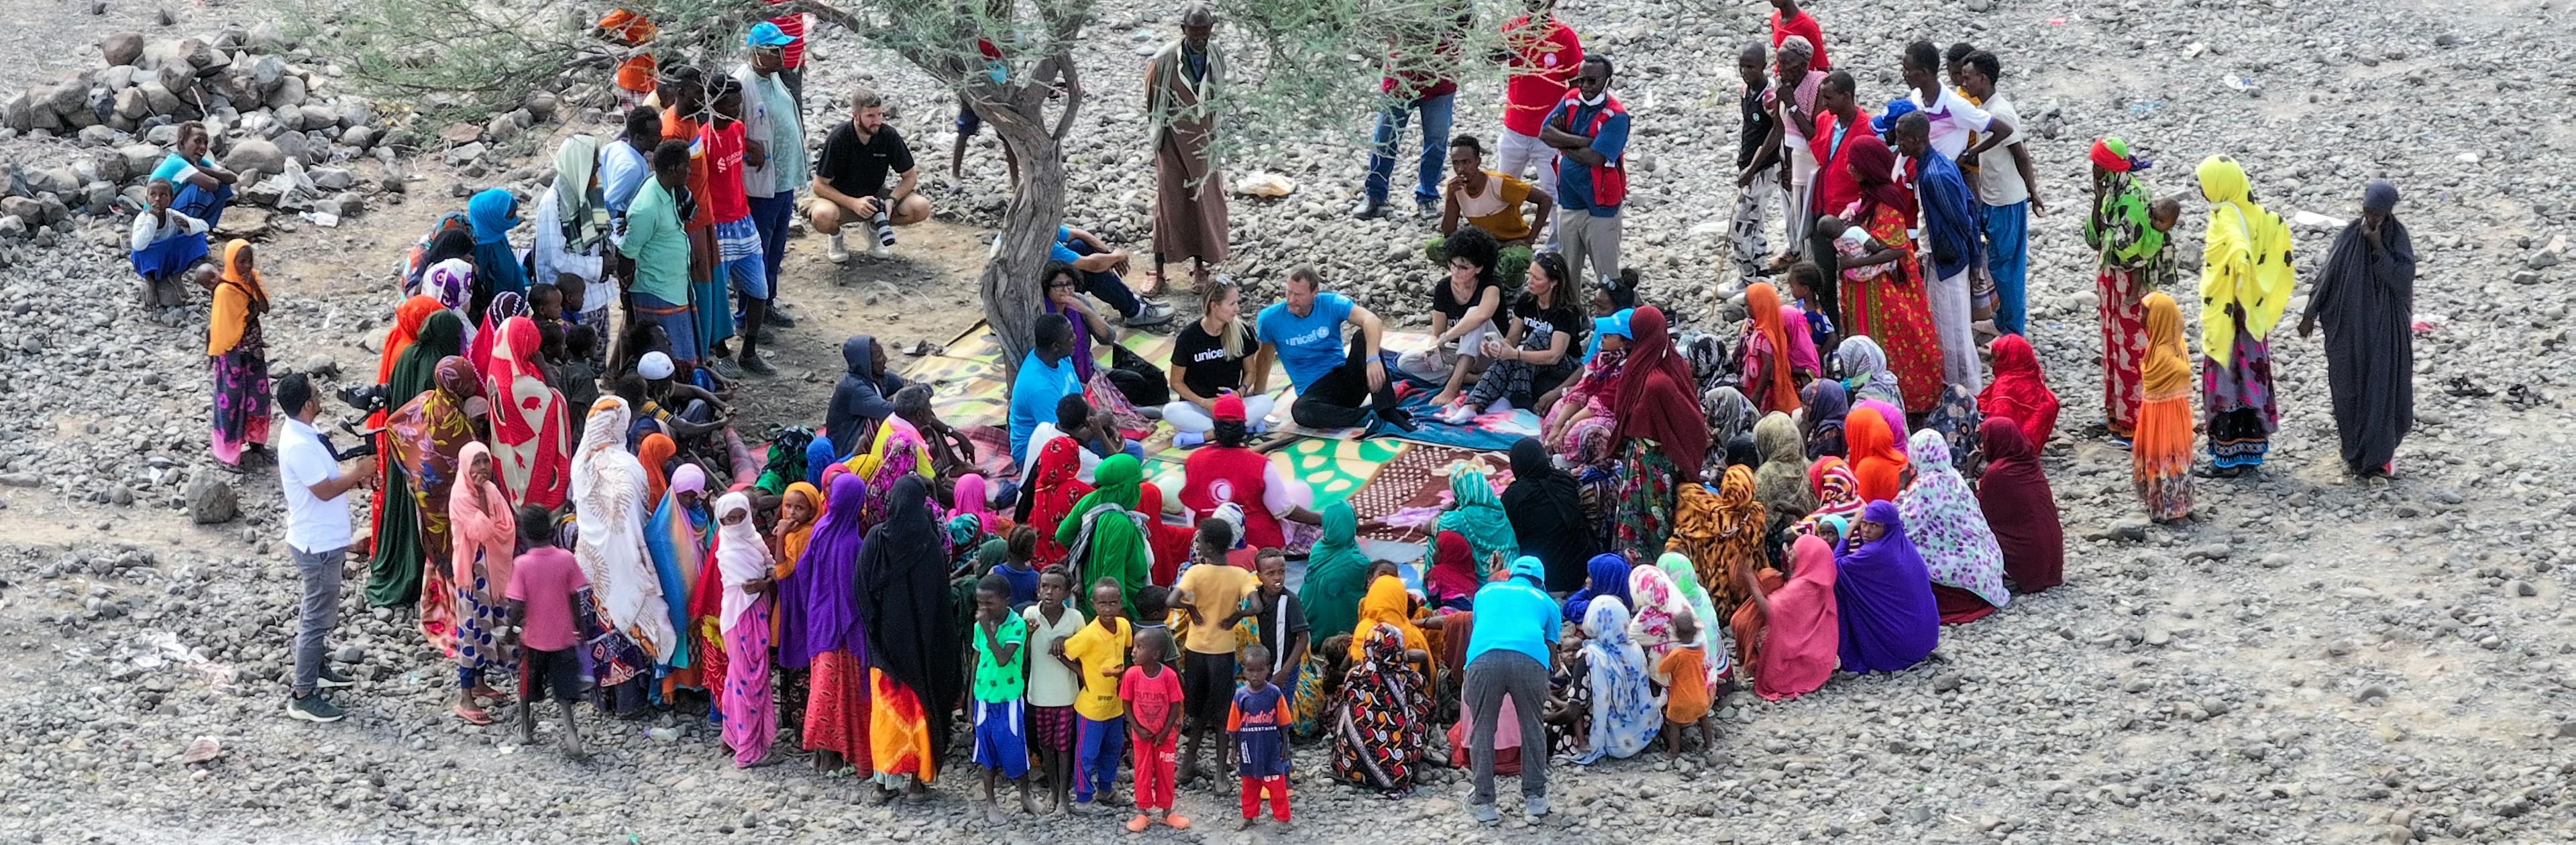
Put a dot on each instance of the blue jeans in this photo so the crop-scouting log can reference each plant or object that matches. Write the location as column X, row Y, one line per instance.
column 1435, row 146
column 770, row 215
column 1107, row 285
column 2007, row 230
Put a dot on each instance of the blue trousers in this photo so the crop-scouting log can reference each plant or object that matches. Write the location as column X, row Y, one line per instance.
column 1436, row 112
column 202, row 204
column 2008, row 260
column 1096, row 754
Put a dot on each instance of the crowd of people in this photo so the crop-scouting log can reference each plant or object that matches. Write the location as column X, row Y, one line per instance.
column 1819, row 485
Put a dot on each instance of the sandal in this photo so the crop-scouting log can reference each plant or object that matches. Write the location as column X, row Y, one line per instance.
column 473, row 717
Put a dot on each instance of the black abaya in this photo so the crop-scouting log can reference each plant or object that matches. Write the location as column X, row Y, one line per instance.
column 1546, row 510
column 2366, row 298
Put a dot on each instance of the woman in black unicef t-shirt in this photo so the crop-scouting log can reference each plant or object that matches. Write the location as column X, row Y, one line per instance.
column 1207, row 361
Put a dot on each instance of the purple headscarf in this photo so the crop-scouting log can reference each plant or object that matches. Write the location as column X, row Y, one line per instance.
column 1883, row 596
column 819, row 597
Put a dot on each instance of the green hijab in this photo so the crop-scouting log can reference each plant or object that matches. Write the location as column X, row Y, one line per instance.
column 1336, row 574
column 1478, row 516
column 1117, row 549
column 394, row 568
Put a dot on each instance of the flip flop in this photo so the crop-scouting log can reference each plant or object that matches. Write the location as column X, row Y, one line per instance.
column 473, row 717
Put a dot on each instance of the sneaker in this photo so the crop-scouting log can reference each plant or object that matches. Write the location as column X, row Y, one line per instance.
column 1369, row 209
column 1483, row 813
column 751, row 362
column 880, row 251
column 313, row 708
column 1153, row 314
column 1535, row 808
column 1426, row 209
column 834, row 251
column 1189, row 439
column 330, row 678
column 778, row 319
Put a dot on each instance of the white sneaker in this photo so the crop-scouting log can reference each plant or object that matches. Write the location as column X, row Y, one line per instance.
column 880, row 252
column 834, row 252
column 1458, row 413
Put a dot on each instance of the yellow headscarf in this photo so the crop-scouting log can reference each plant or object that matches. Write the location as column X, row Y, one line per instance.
column 2245, row 260
column 2166, row 372
column 1387, row 602
column 238, row 298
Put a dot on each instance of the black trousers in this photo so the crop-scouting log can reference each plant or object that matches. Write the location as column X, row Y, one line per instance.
column 1333, row 401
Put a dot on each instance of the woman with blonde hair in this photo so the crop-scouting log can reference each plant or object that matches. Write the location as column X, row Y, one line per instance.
column 1208, row 361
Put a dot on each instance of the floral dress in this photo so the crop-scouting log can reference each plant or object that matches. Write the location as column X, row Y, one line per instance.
column 1891, row 308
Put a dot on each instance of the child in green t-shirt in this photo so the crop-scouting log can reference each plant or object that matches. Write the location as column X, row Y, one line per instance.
column 999, row 681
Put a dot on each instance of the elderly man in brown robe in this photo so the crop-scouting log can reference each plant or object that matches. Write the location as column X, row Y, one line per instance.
column 1182, row 83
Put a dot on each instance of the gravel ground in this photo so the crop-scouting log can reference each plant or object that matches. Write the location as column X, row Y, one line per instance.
column 2313, row 660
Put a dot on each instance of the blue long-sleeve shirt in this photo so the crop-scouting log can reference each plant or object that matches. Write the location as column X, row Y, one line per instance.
column 1949, row 214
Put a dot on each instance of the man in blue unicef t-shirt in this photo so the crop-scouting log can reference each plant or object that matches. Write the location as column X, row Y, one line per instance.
column 1332, row 379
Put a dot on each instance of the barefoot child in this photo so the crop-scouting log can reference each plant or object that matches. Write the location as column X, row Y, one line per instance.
column 1052, row 683
column 1684, row 673
column 1152, row 695
column 544, row 583
column 1098, row 655
column 1000, row 682
column 1257, row 722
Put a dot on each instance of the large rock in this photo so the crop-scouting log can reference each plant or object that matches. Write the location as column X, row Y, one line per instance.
column 332, row 178
column 211, row 500
column 25, row 208
column 121, row 48
column 158, row 97
column 289, row 93
column 319, row 117
column 255, row 155
column 133, row 104
column 293, row 145
column 67, row 96
column 268, row 37
column 59, row 180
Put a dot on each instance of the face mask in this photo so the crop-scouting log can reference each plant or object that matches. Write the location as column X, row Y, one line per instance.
column 1598, row 99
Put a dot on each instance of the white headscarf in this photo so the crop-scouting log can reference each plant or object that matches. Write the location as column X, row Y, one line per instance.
column 740, row 556
column 608, row 496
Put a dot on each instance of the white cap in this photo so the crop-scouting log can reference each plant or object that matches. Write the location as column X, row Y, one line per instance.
column 655, row 365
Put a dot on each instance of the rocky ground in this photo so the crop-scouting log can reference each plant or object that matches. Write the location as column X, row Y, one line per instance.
column 2312, row 660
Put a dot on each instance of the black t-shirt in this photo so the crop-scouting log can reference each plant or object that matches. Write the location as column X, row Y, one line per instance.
column 1205, row 368
column 1537, row 323
column 1282, row 620
column 859, row 168
column 1445, row 301
column 1757, row 127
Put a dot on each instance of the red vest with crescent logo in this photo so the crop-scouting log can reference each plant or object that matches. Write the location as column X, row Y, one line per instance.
column 1216, row 475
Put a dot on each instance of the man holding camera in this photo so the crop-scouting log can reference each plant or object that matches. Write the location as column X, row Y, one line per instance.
column 317, row 537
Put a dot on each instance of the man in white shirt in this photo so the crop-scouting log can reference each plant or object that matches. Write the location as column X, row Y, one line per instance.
column 2007, row 194
column 1953, row 117
column 317, row 537
column 772, row 122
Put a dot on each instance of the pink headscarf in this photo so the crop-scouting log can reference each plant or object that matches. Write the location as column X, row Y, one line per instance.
column 480, row 520
column 971, row 499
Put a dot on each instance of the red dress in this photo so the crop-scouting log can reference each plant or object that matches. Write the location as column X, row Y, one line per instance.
column 1892, row 310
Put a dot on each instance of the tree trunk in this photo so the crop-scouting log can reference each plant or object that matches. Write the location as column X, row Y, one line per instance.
column 1013, row 296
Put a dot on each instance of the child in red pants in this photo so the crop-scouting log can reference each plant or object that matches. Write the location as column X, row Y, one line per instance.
column 1261, row 751
column 1153, row 696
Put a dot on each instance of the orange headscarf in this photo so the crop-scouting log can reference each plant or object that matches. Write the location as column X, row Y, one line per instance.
column 407, row 320
column 1875, row 460
column 238, row 299
column 1764, row 301
column 792, row 539
column 2167, row 370
column 655, row 452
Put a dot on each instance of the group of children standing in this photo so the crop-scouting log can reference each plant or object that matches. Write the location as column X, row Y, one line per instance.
column 1086, row 695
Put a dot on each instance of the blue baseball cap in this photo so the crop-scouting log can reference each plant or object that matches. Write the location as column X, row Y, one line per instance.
column 766, row 34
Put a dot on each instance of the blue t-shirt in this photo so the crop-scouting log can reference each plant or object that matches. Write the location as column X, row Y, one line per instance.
column 1514, row 616
column 173, row 164
column 1062, row 249
column 1574, row 181
column 1033, row 398
column 1309, row 346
